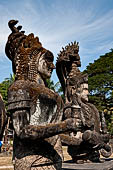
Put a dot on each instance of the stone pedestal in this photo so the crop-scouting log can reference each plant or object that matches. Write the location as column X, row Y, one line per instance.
column 107, row 165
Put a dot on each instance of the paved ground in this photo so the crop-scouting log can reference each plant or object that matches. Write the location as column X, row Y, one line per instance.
column 107, row 165
column 6, row 167
column 6, row 163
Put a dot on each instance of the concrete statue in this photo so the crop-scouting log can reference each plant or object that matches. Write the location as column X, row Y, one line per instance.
column 92, row 137
column 36, row 110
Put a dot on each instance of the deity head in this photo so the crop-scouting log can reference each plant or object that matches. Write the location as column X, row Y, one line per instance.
column 79, row 85
column 29, row 59
column 45, row 65
column 84, row 91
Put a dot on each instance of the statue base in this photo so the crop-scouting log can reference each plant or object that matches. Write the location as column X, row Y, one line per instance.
column 107, row 165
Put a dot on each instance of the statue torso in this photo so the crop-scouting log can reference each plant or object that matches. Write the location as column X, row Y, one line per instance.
column 45, row 106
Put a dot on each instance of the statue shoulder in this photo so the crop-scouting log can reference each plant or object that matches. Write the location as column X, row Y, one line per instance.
column 22, row 93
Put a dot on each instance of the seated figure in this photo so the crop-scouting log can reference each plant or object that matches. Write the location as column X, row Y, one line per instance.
column 92, row 136
column 36, row 110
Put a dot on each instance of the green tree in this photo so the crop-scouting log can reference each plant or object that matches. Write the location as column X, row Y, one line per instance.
column 4, row 87
column 100, row 81
column 55, row 87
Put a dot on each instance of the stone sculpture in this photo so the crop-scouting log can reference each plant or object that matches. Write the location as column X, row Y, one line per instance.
column 3, row 118
column 93, row 137
column 36, row 110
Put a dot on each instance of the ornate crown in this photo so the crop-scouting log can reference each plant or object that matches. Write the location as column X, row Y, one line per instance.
column 68, row 62
column 24, row 52
column 70, row 53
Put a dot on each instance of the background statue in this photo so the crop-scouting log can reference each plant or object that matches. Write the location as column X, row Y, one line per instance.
column 3, row 118
column 92, row 137
column 36, row 110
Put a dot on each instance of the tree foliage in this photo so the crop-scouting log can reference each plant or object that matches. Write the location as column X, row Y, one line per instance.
column 100, row 81
column 4, row 87
column 55, row 87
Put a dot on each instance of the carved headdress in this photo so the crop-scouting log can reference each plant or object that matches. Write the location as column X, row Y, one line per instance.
column 67, row 70
column 67, row 63
column 24, row 52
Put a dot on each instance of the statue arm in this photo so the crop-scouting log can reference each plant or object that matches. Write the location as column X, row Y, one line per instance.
column 24, row 130
column 70, row 140
column 49, row 130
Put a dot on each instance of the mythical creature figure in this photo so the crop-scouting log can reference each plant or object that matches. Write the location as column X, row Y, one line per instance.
column 36, row 110
column 92, row 137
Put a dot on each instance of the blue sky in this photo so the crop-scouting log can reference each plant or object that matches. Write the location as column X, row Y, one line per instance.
column 57, row 23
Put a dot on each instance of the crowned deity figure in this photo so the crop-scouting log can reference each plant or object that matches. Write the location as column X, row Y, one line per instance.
column 92, row 138
column 36, row 110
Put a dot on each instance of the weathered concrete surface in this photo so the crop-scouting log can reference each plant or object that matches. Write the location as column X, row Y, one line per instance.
column 107, row 165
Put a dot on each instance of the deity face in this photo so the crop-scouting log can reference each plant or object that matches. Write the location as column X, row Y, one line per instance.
column 84, row 91
column 45, row 65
